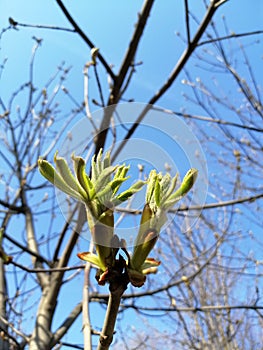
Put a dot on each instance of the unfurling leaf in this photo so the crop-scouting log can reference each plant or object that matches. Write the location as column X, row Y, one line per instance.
column 186, row 185
column 131, row 191
column 83, row 179
column 49, row 172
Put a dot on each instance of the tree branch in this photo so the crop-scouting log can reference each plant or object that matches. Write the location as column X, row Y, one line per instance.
column 204, row 308
column 41, row 26
column 197, row 207
column 231, row 36
column 106, row 336
column 32, row 244
column 174, row 74
column 38, row 270
column 26, row 249
column 209, row 119
column 187, row 21
column 85, row 38
column 127, row 62
column 15, row 208
column 62, row 330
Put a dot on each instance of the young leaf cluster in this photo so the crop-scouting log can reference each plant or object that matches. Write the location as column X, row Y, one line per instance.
column 100, row 194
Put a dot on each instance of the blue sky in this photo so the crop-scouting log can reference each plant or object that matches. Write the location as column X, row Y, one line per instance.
column 109, row 24
column 159, row 48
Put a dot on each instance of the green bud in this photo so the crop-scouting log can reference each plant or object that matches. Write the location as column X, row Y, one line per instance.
column 128, row 193
column 66, row 174
column 168, row 187
column 106, row 160
column 186, row 185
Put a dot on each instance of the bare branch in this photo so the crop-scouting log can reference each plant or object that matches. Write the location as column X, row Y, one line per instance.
column 127, row 62
column 26, row 249
column 174, row 74
column 106, row 336
column 194, row 308
column 79, row 31
column 42, row 26
column 250, row 199
column 15, row 330
column 32, row 244
column 38, row 270
column 187, row 21
column 62, row 330
column 231, row 36
column 210, row 120
column 12, row 207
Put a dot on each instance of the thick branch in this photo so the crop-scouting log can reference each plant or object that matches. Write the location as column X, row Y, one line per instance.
column 110, row 319
column 62, row 330
column 133, row 45
column 42, row 332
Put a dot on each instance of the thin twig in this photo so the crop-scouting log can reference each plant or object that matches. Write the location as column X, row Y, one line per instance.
column 42, row 26
column 99, row 85
column 15, row 330
column 208, row 119
column 231, row 36
column 38, row 270
column 205, row 308
column 199, row 207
